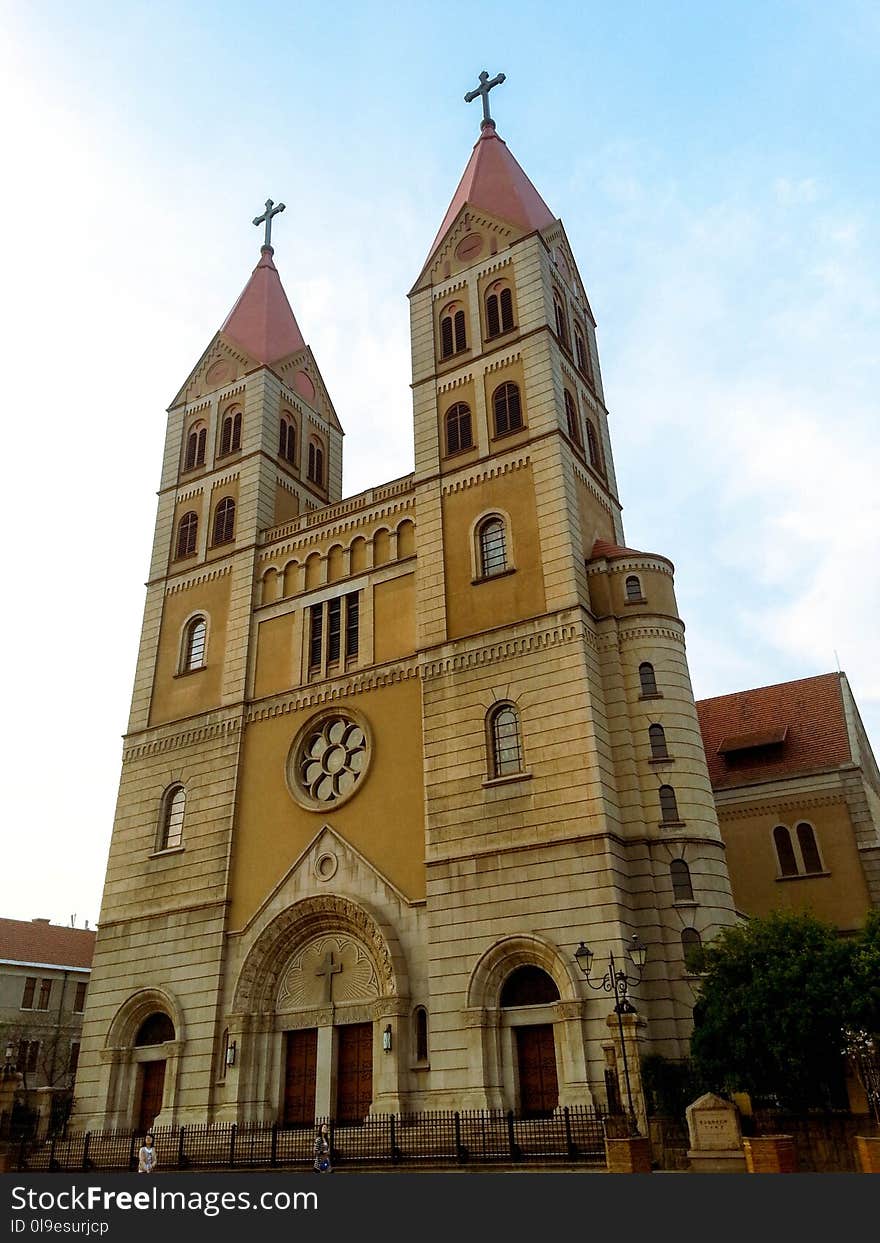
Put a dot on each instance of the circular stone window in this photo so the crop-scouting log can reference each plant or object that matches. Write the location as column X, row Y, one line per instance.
column 328, row 759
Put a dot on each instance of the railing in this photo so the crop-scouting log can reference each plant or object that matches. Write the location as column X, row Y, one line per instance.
column 453, row 1137
column 340, row 509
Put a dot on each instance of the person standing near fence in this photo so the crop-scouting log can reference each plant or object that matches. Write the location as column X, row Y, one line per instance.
column 147, row 1156
column 322, row 1151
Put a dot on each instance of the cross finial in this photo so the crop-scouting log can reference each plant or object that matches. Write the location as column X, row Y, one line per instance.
column 272, row 209
column 483, row 89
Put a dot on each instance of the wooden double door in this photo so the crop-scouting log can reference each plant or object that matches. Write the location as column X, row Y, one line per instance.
column 536, row 1062
column 152, row 1091
column 354, row 1074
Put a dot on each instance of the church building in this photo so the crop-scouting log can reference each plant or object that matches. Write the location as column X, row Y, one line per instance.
column 392, row 757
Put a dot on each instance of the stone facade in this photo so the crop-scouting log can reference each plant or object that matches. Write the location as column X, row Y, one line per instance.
column 363, row 845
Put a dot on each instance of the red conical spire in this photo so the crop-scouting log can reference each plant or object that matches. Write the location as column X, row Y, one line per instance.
column 494, row 183
column 261, row 320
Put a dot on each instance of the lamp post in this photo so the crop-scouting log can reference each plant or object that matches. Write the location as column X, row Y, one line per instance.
column 616, row 981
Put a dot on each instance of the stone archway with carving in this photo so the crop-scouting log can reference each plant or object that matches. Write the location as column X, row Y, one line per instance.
column 122, row 1061
column 528, row 949
column 270, row 970
column 131, row 1014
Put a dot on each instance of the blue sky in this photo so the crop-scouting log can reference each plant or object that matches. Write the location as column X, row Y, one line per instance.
column 716, row 170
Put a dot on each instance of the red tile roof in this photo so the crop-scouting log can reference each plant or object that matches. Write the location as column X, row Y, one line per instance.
column 810, row 710
column 610, row 551
column 37, row 941
column 261, row 319
column 495, row 183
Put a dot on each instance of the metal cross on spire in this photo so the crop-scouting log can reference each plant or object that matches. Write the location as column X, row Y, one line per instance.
column 483, row 89
column 272, row 209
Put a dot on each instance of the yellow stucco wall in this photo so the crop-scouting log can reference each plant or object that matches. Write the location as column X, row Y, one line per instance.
column 495, row 601
column 275, row 656
column 394, row 618
column 840, row 898
column 180, row 695
column 384, row 820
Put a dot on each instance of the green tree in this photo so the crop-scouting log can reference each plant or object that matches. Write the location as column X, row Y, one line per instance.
column 776, row 997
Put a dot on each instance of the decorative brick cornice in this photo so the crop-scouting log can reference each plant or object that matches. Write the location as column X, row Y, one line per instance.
column 655, row 564
column 650, row 632
column 192, row 580
column 598, row 491
column 490, row 268
column 774, row 806
column 320, row 514
column 503, row 649
column 357, row 525
column 191, row 737
column 224, row 479
column 504, row 360
column 490, row 472
column 203, row 403
column 446, row 386
column 188, row 493
column 329, row 691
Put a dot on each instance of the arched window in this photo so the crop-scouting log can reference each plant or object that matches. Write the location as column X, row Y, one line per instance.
column 505, row 747
column 506, row 300
column 647, row 680
column 561, row 323
column 571, row 418
column 155, row 1029
column 230, row 436
column 680, row 874
column 633, row 588
column 668, row 805
column 784, row 851
column 287, row 440
column 224, row 521
column 809, row 850
column 195, row 448
column 492, row 547
column 316, row 463
column 593, row 448
column 528, row 986
column 187, row 531
column 657, row 739
column 420, row 1033
column 692, row 948
column 582, row 354
column 507, row 409
column 194, row 640
column 171, row 822
column 453, row 336
column 499, row 311
column 458, row 428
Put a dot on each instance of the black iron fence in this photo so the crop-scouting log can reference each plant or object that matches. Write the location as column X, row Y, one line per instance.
column 573, row 1133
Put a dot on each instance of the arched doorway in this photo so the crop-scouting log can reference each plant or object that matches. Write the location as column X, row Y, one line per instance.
column 155, row 1031
column 525, row 993
column 317, row 1011
column 142, row 1059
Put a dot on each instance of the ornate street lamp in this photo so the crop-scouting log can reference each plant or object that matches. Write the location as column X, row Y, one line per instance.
column 616, row 981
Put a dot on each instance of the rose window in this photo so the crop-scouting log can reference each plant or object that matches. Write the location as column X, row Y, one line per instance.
column 330, row 759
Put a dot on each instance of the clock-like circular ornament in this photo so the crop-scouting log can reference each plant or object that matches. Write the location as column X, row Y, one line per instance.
column 328, row 759
column 469, row 247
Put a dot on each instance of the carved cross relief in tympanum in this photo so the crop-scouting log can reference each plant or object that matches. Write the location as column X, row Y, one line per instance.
column 328, row 971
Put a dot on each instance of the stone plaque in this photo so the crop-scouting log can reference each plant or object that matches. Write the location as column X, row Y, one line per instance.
column 713, row 1124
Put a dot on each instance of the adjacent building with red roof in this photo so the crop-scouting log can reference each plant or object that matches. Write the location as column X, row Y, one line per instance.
column 797, row 790
column 44, row 977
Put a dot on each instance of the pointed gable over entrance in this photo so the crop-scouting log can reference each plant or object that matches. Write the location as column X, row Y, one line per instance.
column 262, row 321
column 493, row 182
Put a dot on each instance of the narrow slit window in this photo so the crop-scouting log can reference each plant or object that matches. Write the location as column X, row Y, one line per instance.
column 447, row 340
column 593, row 449
column 334, row 630
column 505, row 756
column 784, row 851
column 493, row 317
column 506, row 300
column 421, row 1025
column 173, row 811
column 191, row 445
column 460, row 334
column 194, row 644
column 668, row 805
column 316, row 635
column 657, row 739
column 493, row 547
column 226, row 436
column 647, row 679
column 561, row 324
column 633, row 589
column 571, row 418
column 236, row 432
column 682, row 888
column 809, row 849
column 352, row 611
